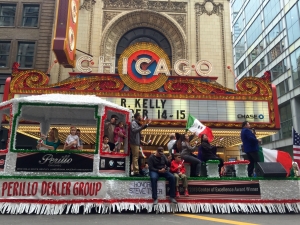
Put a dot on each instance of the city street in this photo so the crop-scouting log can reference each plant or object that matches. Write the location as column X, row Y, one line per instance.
column 152, row 219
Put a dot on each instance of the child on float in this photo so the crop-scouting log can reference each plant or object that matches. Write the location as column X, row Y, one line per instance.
column 41, row 141
column 72, row 141
column 119, row 136
column 141, row 154
column 105, row 145
column 177, row 168
column 145, row 170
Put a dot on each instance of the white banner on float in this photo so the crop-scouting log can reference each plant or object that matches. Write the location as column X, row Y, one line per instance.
column 59, row 189
column 204, row 110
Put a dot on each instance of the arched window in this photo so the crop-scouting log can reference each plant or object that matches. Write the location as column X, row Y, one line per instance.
column 143, row 34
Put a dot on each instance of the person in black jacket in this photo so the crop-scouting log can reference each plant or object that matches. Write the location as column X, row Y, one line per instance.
column 209, row 151
column 158, row 163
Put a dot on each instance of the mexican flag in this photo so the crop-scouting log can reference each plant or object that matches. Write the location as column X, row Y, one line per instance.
column 268, row 155
column 195, row 126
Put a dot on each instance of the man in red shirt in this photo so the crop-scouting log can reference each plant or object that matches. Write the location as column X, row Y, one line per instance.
column 177, row 168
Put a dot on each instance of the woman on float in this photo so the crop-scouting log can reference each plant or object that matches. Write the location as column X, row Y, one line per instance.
column 187, row 156
column 209, row 151
column 52, row 141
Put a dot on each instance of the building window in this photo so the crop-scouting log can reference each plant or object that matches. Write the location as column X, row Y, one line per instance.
column 258, row 67
column 250, row 10
column 238, row 27
column 236, row 7
column 274, row 33
column 266, row 140
column 26, row 54
column 241, row 67
column 239, row 48
column 282, row 88
column 295, row 66
column 1, row 92
column 279, row 69
column 276, row 51
column 254, row 31
column 4, row 53
column 7, row 14
column 292, row 24
column 271, row 10
column 256, row 51
column 30, row 15
column 286, row 121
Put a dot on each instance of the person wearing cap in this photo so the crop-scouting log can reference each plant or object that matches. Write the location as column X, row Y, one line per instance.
column 135, row 141
column 177, row 168
column 157, row 167
column 109, row 128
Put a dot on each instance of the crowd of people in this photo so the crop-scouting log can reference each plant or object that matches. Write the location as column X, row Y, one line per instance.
column 180, row 148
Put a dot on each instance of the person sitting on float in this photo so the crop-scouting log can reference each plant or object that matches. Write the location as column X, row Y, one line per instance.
column 158, row 163
column 188, row 156
column 209, row 151
column 177, row 168
column 52, row 141
column 72, row 141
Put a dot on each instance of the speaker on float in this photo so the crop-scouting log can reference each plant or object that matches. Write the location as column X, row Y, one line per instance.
column 270, row 169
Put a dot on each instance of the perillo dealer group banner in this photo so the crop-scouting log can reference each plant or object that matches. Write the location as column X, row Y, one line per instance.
column 72, row 189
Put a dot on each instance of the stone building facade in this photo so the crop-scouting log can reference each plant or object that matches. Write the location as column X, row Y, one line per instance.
column 25, row 35
column 193, row 30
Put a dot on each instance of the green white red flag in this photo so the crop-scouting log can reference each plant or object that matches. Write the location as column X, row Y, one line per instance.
column 195, row 126
column 284, row 158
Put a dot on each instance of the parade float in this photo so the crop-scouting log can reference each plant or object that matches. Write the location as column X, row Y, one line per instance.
column 76, row 181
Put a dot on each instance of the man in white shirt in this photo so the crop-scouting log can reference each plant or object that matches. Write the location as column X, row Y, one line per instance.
column 171, row 143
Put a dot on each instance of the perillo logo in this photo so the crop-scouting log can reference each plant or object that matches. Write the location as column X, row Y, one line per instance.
column 250, row 116
column 51, row 160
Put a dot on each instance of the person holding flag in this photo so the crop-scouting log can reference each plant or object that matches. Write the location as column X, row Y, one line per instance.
column 195, row 126
column 187, row 155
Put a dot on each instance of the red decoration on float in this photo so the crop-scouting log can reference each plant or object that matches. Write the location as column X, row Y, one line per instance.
column 237, row 162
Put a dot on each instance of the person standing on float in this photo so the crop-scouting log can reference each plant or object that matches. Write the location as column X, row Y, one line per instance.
column 135, row 141
column 109, row 128
column 250, row 145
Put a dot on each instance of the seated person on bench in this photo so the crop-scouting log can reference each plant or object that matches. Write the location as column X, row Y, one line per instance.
column 209, row 151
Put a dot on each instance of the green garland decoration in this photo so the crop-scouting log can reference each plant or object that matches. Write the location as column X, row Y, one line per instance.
column 16, row 116
column 213, row 161
column 147, row 178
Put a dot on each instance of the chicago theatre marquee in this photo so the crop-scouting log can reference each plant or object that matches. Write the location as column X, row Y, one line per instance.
column 164, row 59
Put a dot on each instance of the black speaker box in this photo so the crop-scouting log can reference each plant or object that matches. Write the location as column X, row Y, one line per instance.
column 270, row 169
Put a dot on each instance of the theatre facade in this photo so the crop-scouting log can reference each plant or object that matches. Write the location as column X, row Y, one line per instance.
column 164, row 59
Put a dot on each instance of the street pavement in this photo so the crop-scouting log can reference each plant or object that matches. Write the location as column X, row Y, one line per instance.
column 152, row 219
